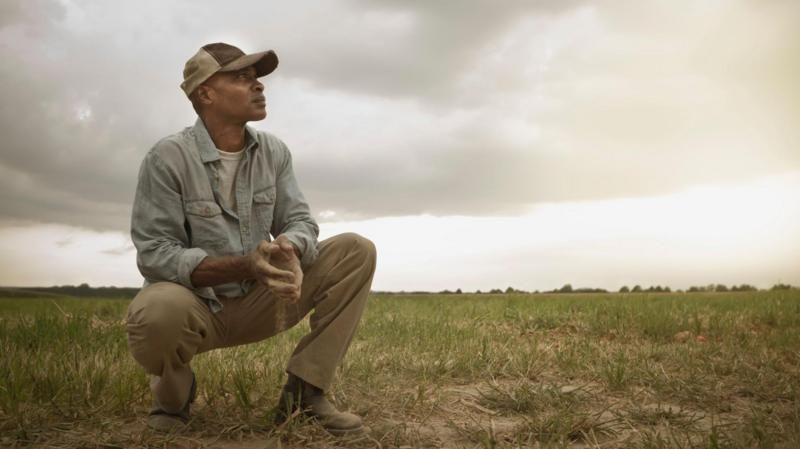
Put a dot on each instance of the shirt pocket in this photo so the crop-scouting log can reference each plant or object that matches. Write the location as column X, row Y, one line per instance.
column 264, row 209
column 206, row 224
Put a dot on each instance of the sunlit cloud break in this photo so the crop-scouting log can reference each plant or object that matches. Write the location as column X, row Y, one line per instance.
column 731, row 234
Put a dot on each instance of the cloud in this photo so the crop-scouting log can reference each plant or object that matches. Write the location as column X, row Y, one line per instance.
column 711, row 234
column 395, row 108
column 611, row 102
column 34, row 15
column 122, row 250
column 424, row 50
column 65, row 242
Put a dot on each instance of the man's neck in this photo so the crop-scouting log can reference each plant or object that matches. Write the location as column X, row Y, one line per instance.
column 225, row 135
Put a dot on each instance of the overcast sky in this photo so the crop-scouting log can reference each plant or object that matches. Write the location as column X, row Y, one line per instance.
column 524, row 132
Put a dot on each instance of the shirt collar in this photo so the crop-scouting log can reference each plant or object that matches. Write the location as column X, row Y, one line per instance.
column 208, row 151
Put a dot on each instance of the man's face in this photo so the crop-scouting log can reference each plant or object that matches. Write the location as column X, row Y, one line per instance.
column 237, row 96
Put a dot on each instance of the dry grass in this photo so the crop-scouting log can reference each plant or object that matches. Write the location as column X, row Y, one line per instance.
column 500, row 371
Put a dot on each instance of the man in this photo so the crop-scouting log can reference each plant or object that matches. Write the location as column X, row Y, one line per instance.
column 207, row 200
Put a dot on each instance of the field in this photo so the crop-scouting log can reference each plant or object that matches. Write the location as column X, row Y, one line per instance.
column 706, row 370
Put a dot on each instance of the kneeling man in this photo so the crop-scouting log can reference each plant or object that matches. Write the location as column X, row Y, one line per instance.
column 208, row 199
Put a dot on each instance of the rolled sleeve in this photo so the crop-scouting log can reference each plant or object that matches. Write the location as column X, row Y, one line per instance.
column 157, row 227
column 188, row 260
column 308, row 250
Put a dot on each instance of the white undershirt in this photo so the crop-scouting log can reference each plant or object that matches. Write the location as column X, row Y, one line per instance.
column 227, row 176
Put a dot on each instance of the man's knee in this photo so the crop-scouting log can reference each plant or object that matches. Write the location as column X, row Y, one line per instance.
column 352, row 242
column 157, row 317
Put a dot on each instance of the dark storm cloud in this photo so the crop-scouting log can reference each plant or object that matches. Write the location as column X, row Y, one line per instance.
column 78, row 114
column 634, row 101
column 411, row 49
column 84, row 97
column 441, row 107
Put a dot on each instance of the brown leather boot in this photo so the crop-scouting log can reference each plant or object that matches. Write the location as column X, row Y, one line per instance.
column 161, row 421
column 299, row 394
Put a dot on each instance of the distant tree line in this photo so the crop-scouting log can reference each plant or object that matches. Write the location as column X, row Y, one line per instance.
column 81, row 291
column 86, row 291
column 724, row 288
column 567, row 288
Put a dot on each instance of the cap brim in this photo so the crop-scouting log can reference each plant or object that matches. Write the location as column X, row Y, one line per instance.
column 265, row 62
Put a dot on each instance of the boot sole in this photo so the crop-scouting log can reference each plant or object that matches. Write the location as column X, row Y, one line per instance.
column 356, row 431
column 166, row 424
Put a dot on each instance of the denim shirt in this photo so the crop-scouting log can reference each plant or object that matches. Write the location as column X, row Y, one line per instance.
column 179, row 217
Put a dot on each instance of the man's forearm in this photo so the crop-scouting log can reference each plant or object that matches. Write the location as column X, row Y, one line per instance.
column 220, row 270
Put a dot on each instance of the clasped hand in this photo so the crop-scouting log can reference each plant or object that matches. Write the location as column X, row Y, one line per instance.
column 276, row 265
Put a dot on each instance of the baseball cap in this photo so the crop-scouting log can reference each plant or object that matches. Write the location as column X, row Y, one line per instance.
column 222, row 57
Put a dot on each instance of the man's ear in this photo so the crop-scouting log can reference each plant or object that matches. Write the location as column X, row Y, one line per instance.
column 205, row 94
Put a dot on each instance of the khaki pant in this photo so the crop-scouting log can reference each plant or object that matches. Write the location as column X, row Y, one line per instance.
column 168, row 324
